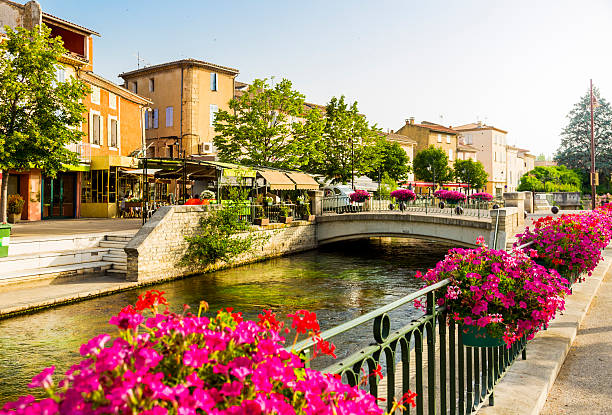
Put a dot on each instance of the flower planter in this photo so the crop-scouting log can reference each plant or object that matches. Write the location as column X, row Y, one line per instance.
column 205, row 201
column 5, row 234
column 286, row 219
column 14, row 217
column 262, row 221
column 475, row 336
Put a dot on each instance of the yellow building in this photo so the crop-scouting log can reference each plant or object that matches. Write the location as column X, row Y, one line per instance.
column 186, row 96
column 429, row 134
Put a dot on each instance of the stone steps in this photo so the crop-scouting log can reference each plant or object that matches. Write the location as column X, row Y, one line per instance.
column 116, row 255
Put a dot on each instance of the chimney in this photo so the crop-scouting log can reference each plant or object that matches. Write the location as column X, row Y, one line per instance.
column 410, row 121
column 480, row 123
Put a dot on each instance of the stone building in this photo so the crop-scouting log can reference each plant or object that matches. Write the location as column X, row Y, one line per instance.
column 427, row 134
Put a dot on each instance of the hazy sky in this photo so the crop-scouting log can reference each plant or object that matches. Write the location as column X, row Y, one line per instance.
column 518, row 65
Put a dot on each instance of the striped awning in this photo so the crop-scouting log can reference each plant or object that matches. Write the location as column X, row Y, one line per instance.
column 303, row 181
column 277, row 180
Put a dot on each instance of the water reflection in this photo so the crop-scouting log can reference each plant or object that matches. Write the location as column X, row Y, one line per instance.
column 339, row 281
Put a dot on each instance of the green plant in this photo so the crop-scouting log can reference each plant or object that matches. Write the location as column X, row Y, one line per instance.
column 260, row 213
column 15, row 204
column 284, row 210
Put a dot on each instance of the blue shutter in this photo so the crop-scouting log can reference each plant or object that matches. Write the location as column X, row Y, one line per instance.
column 155, row 118
column 169, row 116
column 213, row 81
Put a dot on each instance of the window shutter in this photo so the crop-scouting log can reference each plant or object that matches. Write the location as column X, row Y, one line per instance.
column 109, row 132
column 213, row 113
column 101, row 120
column 155, row 118
column 169, row 116
column 213, row 81
column 90, row 123
column 118, row 133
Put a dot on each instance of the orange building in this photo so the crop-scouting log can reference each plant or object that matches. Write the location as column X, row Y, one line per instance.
column 113, row 130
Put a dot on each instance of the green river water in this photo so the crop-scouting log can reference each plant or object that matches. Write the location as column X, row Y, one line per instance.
column 339, row 281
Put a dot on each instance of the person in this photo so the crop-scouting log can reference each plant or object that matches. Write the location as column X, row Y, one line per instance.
column 195, row 200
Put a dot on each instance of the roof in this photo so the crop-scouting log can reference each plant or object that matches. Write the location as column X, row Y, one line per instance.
column 477, row 127
column 116, row 89
column 435, row 127
column 180, row 63
column 240, row 85
column 62, row 22
column 399, row 138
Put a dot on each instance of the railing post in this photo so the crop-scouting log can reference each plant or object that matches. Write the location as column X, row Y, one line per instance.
column 431, row 353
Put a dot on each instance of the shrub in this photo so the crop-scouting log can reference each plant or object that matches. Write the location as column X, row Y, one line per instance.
column 15, row 204
column 505, row 292
column 481, row 196
column 359, row 196
column 403, row 195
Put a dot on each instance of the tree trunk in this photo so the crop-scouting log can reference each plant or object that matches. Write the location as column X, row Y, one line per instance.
column 4, row 196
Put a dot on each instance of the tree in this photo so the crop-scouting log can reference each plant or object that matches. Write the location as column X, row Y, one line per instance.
column 39, row 116
column 550, row 179
column 575, row 149
column 259, row 130
column 431, row 165
column 347, row 145
column 393, row 161
column 471, row 172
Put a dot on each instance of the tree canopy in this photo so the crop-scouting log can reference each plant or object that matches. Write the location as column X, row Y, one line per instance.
column 39, row 115
column 347, row 143
column 260, row 126
column 392, row 160
column 550, row 179
column 431, row 165
column 574, row 151
column 471, row 172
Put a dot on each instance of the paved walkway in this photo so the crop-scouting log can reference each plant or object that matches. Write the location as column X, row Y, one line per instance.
column 583, row 384
column 46, row 228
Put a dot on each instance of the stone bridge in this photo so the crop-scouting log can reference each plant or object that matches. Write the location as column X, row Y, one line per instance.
column 459, row 230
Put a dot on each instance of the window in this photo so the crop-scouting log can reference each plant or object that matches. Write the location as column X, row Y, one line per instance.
column 213, row 81
column 95, row 128
column 135, row 87
column 155, row 118
column 113, row 132
column 448, row 139
column 151, row 85
column 95, row 95
column 439, row 138
column 60, row 74
column 213, row 113
column 112, row 101
column 169, row 116
column 450, row 154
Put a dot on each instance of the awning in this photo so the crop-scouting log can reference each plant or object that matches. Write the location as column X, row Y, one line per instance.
column 78, row 167
column 150, row 172
column 303, row 181
column 277, row 180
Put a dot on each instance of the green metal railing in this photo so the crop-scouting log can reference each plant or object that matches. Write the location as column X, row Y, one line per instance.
column 423, row 204
column 425, row 355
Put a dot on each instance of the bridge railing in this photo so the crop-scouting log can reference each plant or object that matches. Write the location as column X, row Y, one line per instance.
column 425, row 355
column 423, row 204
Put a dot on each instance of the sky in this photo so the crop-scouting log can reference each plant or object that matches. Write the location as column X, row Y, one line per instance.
column 517, row 65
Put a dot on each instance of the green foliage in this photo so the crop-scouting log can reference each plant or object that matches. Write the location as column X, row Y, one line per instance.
column 393, row 161
column 574, row 151
column 347, row 144
column 216, row 239
column 387, row 185
column 550, row 179
column 431, row 165
column 15, row 203
column 39, row 116
column 471, row 172
column 284, row 210
column 257, row 130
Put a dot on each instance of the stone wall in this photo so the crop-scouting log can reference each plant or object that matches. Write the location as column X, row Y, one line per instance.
column 158, row 247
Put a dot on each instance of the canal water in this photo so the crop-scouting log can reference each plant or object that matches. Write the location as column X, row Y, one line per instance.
column 339, row 282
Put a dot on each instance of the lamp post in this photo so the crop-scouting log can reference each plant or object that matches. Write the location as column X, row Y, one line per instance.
column 593, row 183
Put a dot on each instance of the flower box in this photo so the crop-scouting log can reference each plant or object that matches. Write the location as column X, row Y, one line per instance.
column 475, row 336
column 285, row 219
column 262, row 221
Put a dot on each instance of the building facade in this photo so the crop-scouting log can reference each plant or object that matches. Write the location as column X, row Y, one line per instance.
column 112, row 129
column 187, row 95
column 429, row 134
column 407, row 144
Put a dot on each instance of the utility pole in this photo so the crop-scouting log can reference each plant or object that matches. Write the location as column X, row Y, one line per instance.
column 353, row 161
column 593, row 183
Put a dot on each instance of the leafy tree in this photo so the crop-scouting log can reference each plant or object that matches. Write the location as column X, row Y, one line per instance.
column 471, row 172
column 258, row 129
column 348, row 143
column 550, row 179
column 431, row 165
column 387, row 185
column 575, row 149
column 39, row 116
column 393, row 161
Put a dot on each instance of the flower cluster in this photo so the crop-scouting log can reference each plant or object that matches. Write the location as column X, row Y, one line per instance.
column 403, row 195
column 505, row 292
column 359, row 196
column 570, row 244
column 187, row 364
column 450, row 196
column 482, row 196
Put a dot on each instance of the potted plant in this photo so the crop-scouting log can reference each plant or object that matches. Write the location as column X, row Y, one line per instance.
column 497, row 297
column 304, row 206
column 403, row 195
column 359, row 196
column 207, row 197
column 260, row 216
column 15, row 207
column 284, row 214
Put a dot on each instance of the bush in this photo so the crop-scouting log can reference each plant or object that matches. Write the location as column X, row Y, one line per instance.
column 15, row 204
